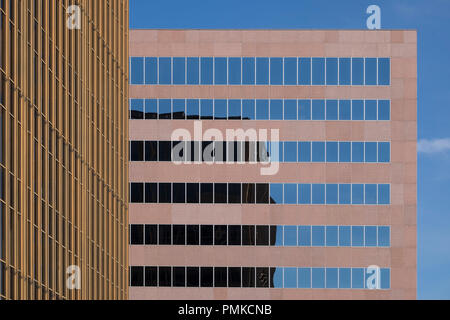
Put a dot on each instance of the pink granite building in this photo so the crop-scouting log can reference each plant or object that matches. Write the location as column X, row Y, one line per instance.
column 337, row 220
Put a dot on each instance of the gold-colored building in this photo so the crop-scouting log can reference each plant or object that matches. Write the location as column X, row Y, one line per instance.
column 63, row 149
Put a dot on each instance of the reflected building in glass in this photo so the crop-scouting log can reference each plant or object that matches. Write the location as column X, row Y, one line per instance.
column 337, row 220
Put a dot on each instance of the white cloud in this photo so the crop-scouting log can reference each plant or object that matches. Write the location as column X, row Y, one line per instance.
column 433, row 146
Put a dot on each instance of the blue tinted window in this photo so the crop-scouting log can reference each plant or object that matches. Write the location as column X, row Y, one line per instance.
column 277, row 278
column 332, row 278
column 304, row 278
column 262, row 109
column 332, row 71
column 358, row 110
column 345, row 194
column 371, row 194
column 371, row 71
column 276, row 109
column 290, row 71
column 384, row 237
column 384, row 71
column 332, row 109
column 179, row 66
column 192, row 109
column 276, row 193
column 357, row 71
column 371, row 110
column 234, row 109
column 318, row 71
column 332, row 152
column 304, row 71
column 179, row 109
column 220, row 71
column 234, row 71
column 290, row 109
column 384, row 194
column 318, row 278
column 304, row 107
column 137, row 70
column 220, row 109
column 345, row 110
column 332, row 236
column 290, row 277
column 370, row 236
column 248, row 109
column 357, row 151
column 151, row 70
column 276, row 71
column 304, row 236
column 358, row 278
column 206, row 70
column 371, row 152
column 165, row 109
column 151, row 109
column 357, row 194
column 304, row 152
column 345, row 278
column 276, row 151
column 290, row 236
column 248, row 71
column 137, row 109
column 290, row 193
column 318, row 194
column 385, row 277
column 332, row 193
column 206, row 109
column 345, row 236
column 262, row 70
column 357, row 236
column 318, row 151
column 318, row 109
column 290, row 151
column 192, row 71
column 344, row 71
column 304, row 194
column 384, row 110
column 384, row 152
column 165, row 71
column 345, row 152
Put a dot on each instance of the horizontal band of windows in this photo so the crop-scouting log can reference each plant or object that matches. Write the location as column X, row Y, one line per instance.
column 261, row 277
column 235, row 109
column 260, row 235
column 289, row 71
column 264, row 152
column 261, row 193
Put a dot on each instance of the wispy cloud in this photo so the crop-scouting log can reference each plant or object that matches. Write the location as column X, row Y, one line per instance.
column 433, row 146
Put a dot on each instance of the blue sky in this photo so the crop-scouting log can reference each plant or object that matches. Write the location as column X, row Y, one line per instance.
column 430, row 18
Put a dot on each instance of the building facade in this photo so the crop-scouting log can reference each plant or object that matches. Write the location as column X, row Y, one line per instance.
column 63, row 149
column 320, row 206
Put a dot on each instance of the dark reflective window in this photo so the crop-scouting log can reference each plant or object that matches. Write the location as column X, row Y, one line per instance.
column 151, row 151
column 206, row 235
column 165, row 150
column 192, row 235
column 136, row 108
column 234, row 235
column 192, row 276
column 262, row 193
column 248, row 277
column 220, row 235
column 151, row 192
column 262, row 235
column 234, row 277
column 206, row 276
column 220, row 277
column 165, row 193
column 248, row 193
column 206, row 192
column 192, row 193
column 207, row 151
column 206, row 109
column 137, row 234
column 179, row 234
column 234, row 193
column 179, row 193
column 151, row 109
column 165, row 276
column 151, row 234
column 179, row 276
column 137, row 192
column 165, row 109
column 248, row 235
column 179, row 109
column 220, row 193
column 165, row 234
column 136, row 276
column 262, row 277
column 137, row 151
column 151, row 276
